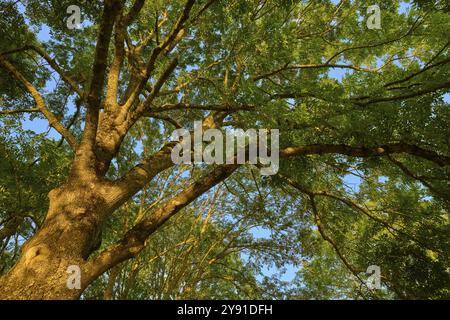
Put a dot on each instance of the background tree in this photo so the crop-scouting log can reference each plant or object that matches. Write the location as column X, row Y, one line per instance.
column 114, row 91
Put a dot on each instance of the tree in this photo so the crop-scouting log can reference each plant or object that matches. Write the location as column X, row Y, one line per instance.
column 139, row 69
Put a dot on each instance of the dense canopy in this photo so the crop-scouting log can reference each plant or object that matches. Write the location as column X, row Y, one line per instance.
column 86, row 122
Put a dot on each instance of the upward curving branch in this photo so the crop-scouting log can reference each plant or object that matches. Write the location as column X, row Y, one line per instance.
column 110, row 11
column 135, row 87
column 124, row 20
column 135, row 239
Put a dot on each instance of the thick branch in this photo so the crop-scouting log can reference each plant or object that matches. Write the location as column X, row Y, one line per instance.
column 414, row 94
column 381, row 150
column 86, row 156
column 356, row 208
column 134, row 240
column 215, row 107
column 40, row 103
column 119, row 47
column 445, row 61
column 313, row 66
column 144, row 172
column 171, row 40
column 72, row 83
column 110, row 12
column 20, row 111
column 134, row 11
column 116, row 65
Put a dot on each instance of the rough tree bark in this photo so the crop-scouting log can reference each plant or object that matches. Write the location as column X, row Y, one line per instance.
column 70, row 233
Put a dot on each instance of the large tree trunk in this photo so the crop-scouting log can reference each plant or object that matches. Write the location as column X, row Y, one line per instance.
column 72, row 229
column 70, row 233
